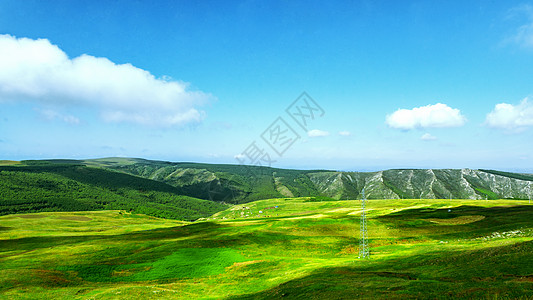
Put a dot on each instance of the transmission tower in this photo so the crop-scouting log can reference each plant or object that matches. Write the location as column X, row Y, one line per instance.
column 510, row 189
column 529, row 191
column 363, row 244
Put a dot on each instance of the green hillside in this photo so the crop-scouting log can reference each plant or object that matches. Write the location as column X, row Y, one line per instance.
column 273, row 249
column 179, row 190
column 37, row 186
column 218, row 182
column 239, row 184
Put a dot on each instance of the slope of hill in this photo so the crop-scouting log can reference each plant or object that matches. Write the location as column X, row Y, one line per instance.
column 295, row 249
column 175, row 190
column 239, row 184
column 218, row 182
column 35, row 186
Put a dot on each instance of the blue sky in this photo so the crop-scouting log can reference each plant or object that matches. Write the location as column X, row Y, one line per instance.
column 437, row 84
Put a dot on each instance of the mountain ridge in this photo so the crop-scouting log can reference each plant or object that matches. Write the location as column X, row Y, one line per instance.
column 180, row 189
column 233, row 183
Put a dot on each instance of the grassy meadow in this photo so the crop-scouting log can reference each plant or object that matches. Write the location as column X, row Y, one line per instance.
column 293, row 248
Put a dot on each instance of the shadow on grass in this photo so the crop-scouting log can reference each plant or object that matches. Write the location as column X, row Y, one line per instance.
column 160, row 234
column 504, row 272
column 499, row 218
column 444, row 213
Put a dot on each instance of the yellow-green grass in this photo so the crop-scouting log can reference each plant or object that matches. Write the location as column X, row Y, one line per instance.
column 9, row 162
column 78, row 224
column 301, row 249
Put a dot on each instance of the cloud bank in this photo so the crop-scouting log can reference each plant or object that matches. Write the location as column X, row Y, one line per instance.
column 511, row 117
column 430, row 116
column 36, row 70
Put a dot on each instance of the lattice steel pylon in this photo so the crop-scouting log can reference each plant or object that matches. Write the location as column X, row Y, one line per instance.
column 363, row 243
column 529, row 191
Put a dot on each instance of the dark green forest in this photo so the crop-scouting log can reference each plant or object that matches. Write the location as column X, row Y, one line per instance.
column 63, row 186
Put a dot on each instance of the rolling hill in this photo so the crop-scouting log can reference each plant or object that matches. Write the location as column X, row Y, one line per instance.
column 300, row 249
column 37, row 186
column 239, row 184
column 91, row 232
column 179, row 190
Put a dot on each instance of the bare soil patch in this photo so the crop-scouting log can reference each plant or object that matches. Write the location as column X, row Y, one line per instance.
column 458, row 220
column 32, row 216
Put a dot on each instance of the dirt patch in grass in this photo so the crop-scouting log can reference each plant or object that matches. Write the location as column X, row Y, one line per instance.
column 458, row 220
column 32, row 216
column 394, row 274
column 51, row 277
column 523, row 278
column 74, row 218
column 349, row 250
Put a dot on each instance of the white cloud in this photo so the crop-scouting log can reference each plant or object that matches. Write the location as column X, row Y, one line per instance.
column 239, row 156
column 317, row 133
column 511, row 117
column 428, row 137
column 345, row 133
column 430, row 116
column 36, row 70
column 51, row 115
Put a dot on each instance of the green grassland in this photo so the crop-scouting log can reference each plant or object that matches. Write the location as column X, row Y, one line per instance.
column 8, row 162
column 280, row 248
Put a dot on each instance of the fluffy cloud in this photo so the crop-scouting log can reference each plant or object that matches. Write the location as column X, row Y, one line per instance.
column 345, row 133
column 428, row 137
column 437, row 116
column 39, row 71
column 317, row 133
column 511, row 117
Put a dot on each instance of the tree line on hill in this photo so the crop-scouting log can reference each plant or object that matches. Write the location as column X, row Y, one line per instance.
column 71, row 187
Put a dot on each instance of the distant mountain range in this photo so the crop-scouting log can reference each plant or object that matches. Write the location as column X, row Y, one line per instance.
column 238, row 184
column 180, row 190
